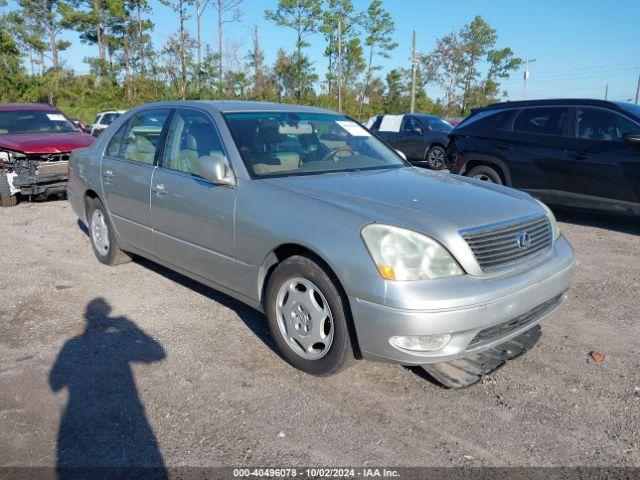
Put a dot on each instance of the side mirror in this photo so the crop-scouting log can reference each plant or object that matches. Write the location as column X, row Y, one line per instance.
column 417, row 130
column 216, row 169
column 401, row 154
column 632, row 138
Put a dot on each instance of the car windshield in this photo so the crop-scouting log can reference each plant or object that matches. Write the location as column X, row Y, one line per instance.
column 34, row 121
column 631, row 108
column 108, row 118
column 436, row 124
column 279, row 144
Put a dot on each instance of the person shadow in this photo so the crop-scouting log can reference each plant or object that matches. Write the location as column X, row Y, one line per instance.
column 104, row 431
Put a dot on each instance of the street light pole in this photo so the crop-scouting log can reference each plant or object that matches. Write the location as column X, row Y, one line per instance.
column 526, row 74
column 339, row 65
column 414, row 66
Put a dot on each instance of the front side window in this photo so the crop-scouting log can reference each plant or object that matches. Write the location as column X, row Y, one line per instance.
column 34, row 121
column 191, row 136
column 411, row 126
column 542, row 121
column 137, row 139
column 278, row 144
column 598, row 124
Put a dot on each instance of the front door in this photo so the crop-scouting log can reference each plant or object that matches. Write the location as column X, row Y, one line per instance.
column 192, row 217
column 126, row 171
column 412, row 140
column 603, row 170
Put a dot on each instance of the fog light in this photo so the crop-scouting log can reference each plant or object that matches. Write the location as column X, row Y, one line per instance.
column 421, row 343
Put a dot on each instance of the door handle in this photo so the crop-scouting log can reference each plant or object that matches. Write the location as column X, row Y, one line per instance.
column 504, row 146
column 107, row 173
column 580, row 155
column 159, row 190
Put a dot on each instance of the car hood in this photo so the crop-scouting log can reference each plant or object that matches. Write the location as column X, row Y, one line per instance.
column 45, row 142
column 415, row 198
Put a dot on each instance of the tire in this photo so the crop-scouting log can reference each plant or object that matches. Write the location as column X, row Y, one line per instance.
column 294, row 337
column 485, row 173
column 6, row 199
column 101, row 229
column 436, row 158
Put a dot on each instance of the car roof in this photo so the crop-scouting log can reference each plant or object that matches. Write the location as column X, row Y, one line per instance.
column 551, row 102
column 235, row 106
column 27, row 106
column 111, row 111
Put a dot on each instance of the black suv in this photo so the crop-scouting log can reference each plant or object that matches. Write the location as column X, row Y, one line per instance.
column 577, row 153
column 422, row 138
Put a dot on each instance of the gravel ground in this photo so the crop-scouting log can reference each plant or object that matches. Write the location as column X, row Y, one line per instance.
column 185, row 376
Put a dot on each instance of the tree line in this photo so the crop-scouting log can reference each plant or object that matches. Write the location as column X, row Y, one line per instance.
column 126, row 68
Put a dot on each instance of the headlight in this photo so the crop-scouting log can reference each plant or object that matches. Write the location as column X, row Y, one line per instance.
column 401, row 254
column 552, row 219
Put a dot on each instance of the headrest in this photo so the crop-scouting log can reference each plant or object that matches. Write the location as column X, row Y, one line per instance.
column 268, row 132
column 143, row 145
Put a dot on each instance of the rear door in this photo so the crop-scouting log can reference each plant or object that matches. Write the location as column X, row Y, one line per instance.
column 126, row 170
column 537, row 150
column 602, row 167
column 389, row 129
column 192, row 217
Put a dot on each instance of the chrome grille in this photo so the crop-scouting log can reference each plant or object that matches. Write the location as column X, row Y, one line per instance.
column 499, row 246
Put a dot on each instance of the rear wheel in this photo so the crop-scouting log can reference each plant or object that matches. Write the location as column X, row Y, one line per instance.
column 485, row 173
column 307, row 317
column 436, row 158
column 103, row 240
column 6, row 199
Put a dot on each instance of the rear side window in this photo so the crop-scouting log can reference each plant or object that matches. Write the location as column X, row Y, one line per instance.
column 542, row 121
column 137, row 140
column 500, row 119
column 603, row 125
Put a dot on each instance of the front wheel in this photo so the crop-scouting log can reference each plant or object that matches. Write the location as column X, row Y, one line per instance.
column 485, row 173
column 435, row 158
column 307, row 317
column 103, row 239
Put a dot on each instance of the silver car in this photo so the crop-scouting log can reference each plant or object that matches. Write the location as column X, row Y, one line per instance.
column 306, row 216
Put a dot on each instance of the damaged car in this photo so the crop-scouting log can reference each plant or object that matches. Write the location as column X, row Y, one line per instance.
column 35, row 143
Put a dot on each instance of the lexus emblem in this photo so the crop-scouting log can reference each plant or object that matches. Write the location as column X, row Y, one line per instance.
column 524, row 240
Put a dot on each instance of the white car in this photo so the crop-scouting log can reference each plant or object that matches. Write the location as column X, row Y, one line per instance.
column 103, row 120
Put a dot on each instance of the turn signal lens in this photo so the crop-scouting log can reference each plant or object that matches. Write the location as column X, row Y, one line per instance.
column 387, row 272
column 421, row 343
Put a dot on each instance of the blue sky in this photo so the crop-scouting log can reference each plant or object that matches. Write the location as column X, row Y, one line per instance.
column 579, row 45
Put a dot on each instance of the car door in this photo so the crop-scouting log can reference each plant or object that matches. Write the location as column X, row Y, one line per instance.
column 602, row 167
column 126, row 169
column 389, row 129
column 536, row 150
column 412, row 138
column 192, row 217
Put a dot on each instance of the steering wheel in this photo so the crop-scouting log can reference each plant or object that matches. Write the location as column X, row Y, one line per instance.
column 343, row 148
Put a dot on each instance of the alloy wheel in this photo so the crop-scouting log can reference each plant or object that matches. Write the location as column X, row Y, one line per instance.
column 304, row 318
column 99, row 232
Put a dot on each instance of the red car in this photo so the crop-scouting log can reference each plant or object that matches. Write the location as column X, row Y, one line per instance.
column 35, row 143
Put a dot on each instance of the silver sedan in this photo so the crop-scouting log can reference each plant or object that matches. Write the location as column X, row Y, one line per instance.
column 307, row 216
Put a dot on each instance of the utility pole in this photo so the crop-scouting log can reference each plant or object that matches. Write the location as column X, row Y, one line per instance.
column 414, row 67
column 638, row 91
column 340, row 65
column 606, row 91
column 526, row 74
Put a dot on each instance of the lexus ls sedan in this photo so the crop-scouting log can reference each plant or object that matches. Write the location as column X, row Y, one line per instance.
column 306, row 216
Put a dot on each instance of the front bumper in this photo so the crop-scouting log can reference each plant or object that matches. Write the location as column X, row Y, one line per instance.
column 480, row 304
